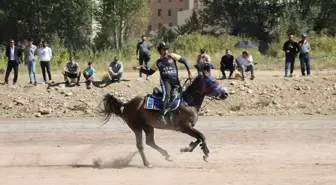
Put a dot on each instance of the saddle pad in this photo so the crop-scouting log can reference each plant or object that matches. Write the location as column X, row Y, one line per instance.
column 154, row 103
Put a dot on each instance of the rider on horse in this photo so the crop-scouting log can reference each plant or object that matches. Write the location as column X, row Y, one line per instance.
column 169, row 79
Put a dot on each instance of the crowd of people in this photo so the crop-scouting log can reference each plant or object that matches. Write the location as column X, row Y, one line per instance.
column 71, row 70
column 242, row 63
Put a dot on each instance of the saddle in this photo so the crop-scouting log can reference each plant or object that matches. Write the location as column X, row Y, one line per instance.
column 154, row 100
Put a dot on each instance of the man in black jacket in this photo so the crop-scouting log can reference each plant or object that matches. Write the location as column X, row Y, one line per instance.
column 227, row 63
column 13, row 54
column 291, row 49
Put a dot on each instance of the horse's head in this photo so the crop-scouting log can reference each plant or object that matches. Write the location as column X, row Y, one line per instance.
column 210, row 86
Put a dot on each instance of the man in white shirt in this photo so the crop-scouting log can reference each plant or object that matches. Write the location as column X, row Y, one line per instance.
column 245, row 64
column 45, row 54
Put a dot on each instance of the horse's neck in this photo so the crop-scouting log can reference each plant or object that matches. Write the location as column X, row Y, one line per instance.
column 193, row 97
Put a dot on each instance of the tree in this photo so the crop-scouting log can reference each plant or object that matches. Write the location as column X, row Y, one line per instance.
column 117, row 18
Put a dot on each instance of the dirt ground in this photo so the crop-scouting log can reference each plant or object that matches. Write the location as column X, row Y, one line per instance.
column 268, row 94
column 285, row 150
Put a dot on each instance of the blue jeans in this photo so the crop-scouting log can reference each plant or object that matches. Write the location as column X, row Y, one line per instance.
column 290, row 60
column 32, row 70
column 305, row 63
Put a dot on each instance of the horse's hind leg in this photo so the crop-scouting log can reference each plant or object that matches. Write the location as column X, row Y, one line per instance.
column 139, row 144
column 150, row 142
column 200, row 137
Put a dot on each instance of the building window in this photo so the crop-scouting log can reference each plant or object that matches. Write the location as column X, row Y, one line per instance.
column 170, row 24
column 149, row 1
column 159, row 25
column 169, row 0
column 181, row 0
column 159, row 1
column 169, row 12
column 159, row 12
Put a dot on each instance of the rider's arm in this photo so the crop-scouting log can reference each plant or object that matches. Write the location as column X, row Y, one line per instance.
column 151, row 71
column 181, row 60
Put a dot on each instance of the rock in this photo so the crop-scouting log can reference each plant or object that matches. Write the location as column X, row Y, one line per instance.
column 68, row 94
column 201, row 114
column 45, row 111
column 20, row 102
column 318, row 111
column 298, row 88
column 233, row 83
column 250, row 91
column 38, row 115
column 220, row 114
column 129, row 85
column 62, row 86
column 233, row 92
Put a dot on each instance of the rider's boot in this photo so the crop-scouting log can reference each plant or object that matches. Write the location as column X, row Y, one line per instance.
column 162, row 111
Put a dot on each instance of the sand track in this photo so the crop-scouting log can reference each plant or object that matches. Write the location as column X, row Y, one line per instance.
column 243, row 150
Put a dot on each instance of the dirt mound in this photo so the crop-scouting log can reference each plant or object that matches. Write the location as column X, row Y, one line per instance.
column 268, row 94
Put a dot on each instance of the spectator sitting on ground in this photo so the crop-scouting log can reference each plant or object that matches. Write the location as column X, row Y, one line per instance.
column 245, row 64
column 203, row 62
column 227, row 63
column 88, row 74
column 116, row 69
column 72, row 71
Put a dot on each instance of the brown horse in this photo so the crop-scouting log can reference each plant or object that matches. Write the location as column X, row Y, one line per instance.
column 182, row 119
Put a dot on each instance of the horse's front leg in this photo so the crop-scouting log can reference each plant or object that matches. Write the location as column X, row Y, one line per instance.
column 200, row 138
column 191, row 146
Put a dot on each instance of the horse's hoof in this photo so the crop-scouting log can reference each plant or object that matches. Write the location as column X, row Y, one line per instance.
column 205, row 158
column 149, row 166
column 169, row 159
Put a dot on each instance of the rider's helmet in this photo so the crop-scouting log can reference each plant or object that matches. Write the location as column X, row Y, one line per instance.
column 162, row 45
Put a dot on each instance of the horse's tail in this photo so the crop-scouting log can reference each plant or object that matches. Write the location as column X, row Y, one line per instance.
column 112, row 106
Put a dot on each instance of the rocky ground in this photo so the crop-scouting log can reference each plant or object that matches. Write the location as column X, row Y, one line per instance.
column 268, row 94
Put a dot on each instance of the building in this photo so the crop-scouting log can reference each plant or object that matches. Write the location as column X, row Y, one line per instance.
column 165, row 12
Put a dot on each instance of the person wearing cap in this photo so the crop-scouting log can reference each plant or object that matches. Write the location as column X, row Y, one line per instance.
column 30, row 53
column 116, row 70
column 203, row 62
column 291, row 49
column 71, row 70
column 88, row 74
column 304, row 55
column 13, row 54
column 169, row 79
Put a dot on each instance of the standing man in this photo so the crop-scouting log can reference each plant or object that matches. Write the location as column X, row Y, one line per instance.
column 13, row 54
column 143, row 55
column 227, row 63
column 291, row 49
column 304, row 55
column 45, row 55
column 30, row 53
